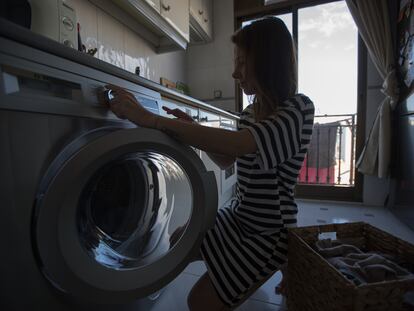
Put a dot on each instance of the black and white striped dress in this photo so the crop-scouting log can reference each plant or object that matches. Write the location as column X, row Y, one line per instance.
column 249, row 240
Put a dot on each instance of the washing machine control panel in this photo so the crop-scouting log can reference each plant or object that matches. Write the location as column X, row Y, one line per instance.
column 35, row 87
column 91, row 97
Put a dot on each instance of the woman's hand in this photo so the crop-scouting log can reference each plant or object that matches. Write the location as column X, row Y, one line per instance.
column 179, row 114
column 125, row 106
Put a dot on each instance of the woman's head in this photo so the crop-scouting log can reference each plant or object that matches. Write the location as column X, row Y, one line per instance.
column 266, row 62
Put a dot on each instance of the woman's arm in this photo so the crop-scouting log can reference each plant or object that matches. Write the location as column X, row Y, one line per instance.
column 220, row 160
column 208, row 139
column 212, row 140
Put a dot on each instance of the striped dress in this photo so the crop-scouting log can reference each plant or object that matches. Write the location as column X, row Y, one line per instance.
column 249, row 240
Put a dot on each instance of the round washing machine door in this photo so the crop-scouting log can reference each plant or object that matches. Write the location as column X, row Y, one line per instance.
column 120, row 214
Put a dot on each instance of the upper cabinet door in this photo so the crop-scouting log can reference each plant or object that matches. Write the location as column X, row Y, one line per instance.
column 196, row 10
column 201, row 21
column 165, row 29
column 207, row 17
column 176, row 12
column 156, row 4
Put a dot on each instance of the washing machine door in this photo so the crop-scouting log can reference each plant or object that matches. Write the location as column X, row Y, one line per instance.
column 119, row 214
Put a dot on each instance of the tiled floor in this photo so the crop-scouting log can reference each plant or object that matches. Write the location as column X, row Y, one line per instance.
column 310, row 213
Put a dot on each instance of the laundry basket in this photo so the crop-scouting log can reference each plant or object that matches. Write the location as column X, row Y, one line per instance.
column 315, row 285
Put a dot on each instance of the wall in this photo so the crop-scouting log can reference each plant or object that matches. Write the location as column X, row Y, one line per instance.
column 209, row 66
column 119, row 45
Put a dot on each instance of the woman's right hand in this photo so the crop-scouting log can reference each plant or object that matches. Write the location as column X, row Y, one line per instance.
column 179, row 114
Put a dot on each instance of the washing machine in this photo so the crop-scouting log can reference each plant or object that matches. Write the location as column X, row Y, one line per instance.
column 96, row 213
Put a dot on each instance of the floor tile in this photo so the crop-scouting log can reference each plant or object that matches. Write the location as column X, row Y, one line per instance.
column 387, row 221
column 196, row 268
column 174, row 297
column 256, row 305
column 318, row 213
column 266, row 293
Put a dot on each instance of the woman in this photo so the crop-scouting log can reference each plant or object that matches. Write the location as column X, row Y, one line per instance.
column 249, row 240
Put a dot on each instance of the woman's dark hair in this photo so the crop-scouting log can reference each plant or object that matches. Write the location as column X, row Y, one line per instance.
column 270, row 51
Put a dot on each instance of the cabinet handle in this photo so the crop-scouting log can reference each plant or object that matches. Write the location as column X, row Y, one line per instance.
column 200, row 12
column 166, row 7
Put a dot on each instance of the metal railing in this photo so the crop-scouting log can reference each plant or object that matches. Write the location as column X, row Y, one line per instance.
column 331, row 155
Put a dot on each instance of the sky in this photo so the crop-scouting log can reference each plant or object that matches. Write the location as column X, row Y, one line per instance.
column 327, row 51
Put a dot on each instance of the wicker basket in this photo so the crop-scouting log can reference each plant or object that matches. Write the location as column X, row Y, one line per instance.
column 315, row 285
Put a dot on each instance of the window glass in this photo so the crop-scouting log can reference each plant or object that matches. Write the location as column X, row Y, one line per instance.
column 134, row 210
column 328, row 74
column 328, row 51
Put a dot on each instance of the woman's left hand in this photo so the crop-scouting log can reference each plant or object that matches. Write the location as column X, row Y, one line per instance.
column 125, row 106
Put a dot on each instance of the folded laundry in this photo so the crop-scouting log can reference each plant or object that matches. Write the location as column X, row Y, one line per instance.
column 361, row 267
column 334, row 248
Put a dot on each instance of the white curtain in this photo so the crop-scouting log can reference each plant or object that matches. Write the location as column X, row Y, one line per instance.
column 373, row 22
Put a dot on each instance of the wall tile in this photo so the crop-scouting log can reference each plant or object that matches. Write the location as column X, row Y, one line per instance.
column 172, row 66
column 87, row 16
column 110, row 40
column 201, row 82
column 133, row 50
column 201, row 56
column 149, row 64
column 122, row 47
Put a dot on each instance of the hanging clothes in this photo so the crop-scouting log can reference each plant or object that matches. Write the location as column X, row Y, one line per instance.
column 320, row 161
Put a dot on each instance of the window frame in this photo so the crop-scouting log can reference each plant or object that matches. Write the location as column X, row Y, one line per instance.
column 319, row 192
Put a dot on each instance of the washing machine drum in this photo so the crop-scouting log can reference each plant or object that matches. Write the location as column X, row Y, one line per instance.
column 120, row 213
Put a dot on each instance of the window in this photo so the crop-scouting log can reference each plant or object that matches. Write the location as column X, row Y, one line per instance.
column 329, row 62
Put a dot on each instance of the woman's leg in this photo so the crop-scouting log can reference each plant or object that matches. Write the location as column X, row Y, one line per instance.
column 203, row 296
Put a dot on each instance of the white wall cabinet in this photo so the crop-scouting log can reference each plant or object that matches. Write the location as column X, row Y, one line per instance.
column 167, row 24
column 163, row 23
column 196, row 10
column 176, row 12
column 207, row 22
column 201, row 20
column 156, row 4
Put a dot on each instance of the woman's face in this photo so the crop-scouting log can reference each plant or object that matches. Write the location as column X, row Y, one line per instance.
column 243, row 72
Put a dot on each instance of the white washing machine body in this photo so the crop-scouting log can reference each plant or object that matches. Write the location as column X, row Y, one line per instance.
column 95, row 212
